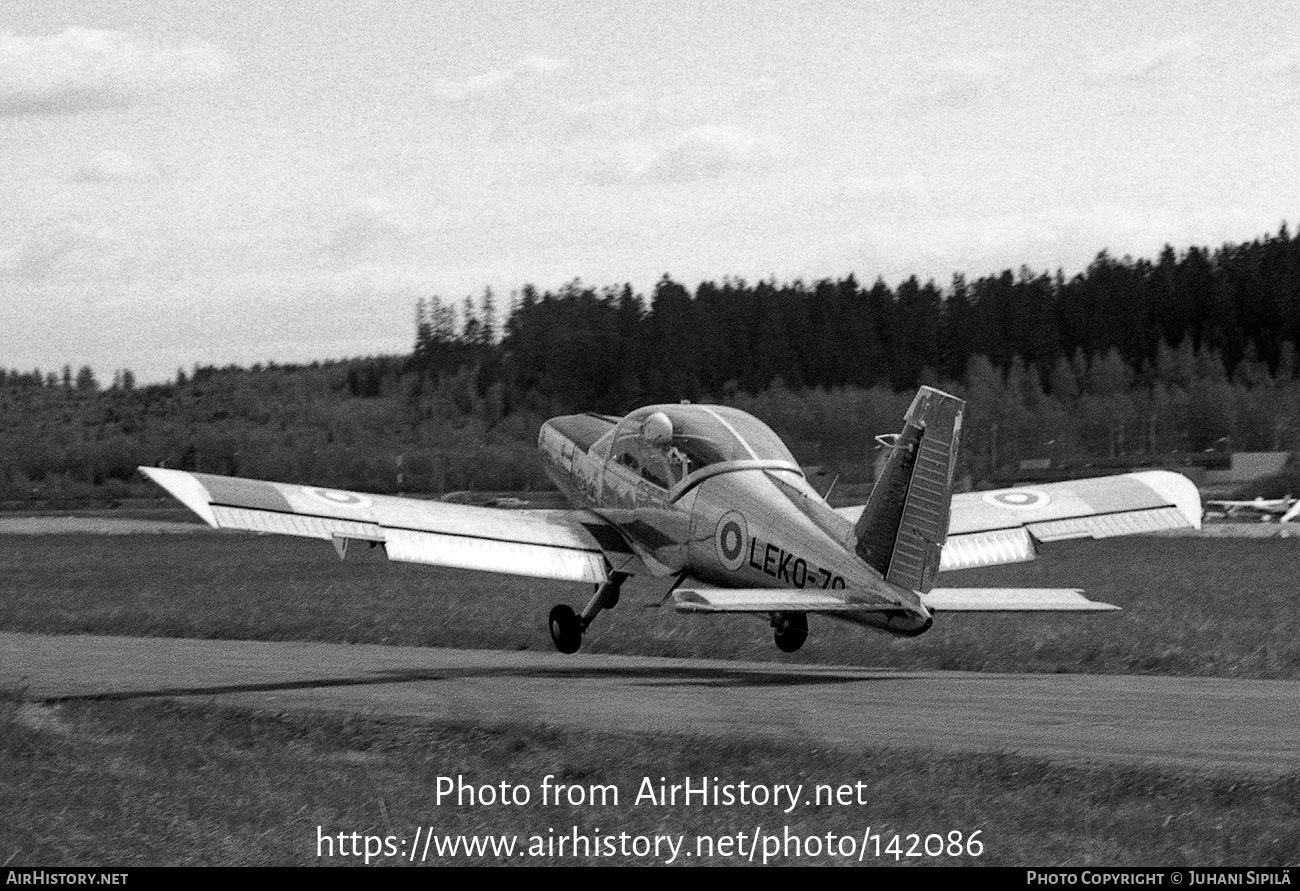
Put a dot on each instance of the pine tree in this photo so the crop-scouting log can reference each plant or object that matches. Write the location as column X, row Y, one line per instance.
column 489, row 323
column 423, row 329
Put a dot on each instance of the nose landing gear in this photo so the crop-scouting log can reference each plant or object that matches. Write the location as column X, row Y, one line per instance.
column 567, row 627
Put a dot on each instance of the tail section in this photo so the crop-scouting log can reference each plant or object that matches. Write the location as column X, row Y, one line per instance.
column 905, row 523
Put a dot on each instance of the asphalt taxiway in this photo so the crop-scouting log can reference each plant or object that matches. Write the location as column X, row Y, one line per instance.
column 1203, row 724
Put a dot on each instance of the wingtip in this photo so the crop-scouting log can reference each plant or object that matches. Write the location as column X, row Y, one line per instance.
column 185, row 488
column 1178, row 490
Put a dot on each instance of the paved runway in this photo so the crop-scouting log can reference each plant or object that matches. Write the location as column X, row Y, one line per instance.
column 1196, row 723
column 97, row 526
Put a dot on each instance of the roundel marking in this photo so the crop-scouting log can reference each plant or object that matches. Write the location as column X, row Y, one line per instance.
column 730, row 538
column 338, row 499
column 1018, row 499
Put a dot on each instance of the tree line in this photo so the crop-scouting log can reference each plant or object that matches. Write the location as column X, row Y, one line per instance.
column 1129, row 361
column 1238, row 306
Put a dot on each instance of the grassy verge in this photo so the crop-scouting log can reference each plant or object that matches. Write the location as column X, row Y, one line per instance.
column 1219, row 607
column 164, row 783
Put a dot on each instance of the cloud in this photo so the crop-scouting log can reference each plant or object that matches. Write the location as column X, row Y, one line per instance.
column 902, row 192
column 110, row 167
column 981, row 66
column 630, row 110
column 703, row 153
column 529, row 68
column 84, row 69
column 961, row 80
column 373, row 232
column 1067, row 236
column 1150, row 58
column 68, row 251
column 1279, row 69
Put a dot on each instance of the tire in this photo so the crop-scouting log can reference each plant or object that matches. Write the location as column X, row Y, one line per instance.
column 566, row 629
column 791, row 631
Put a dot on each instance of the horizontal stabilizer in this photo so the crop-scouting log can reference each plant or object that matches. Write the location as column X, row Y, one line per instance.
column 1012, row 600
column 768, row 600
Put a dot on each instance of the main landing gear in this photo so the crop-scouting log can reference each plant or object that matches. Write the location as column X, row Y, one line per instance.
column 790, row 630
column 567, row 626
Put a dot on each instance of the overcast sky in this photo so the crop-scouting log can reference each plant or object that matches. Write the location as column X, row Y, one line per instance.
column 221, row 182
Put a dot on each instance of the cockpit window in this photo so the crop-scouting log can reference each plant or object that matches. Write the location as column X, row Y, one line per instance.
column 701, row 435
column 758, row 437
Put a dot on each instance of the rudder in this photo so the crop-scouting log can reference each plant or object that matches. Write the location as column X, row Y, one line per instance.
column 904, row 525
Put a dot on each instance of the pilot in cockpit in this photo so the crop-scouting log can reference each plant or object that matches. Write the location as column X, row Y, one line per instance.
column 657, row 430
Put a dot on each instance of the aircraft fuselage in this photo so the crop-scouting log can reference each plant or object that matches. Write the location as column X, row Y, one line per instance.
column 747, row 520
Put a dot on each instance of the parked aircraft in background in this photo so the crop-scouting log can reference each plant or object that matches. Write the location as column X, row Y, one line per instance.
column 709, row 497
column 1283, row 509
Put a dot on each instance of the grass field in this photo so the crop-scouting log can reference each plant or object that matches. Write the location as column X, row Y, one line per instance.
column 160, row 782
column 165, row 783
column 1221, row 607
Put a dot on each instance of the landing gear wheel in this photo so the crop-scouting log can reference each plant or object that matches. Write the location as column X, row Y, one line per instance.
column 791, row 630
column 566, row 629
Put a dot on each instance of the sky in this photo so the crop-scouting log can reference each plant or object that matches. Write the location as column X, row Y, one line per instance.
column 190, row 182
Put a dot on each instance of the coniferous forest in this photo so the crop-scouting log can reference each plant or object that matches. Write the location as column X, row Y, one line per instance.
column 1128, row 362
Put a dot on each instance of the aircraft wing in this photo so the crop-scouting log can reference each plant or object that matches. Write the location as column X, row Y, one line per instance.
column 1003, row 525
column 566, row 545
column 1012, row 600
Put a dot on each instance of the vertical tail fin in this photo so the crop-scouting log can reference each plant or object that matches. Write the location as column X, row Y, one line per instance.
column 905, row 523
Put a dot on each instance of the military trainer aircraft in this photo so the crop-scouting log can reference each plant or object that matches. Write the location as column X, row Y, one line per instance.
column 709, row 496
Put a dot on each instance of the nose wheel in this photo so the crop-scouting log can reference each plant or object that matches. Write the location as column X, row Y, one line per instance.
column 567, row 627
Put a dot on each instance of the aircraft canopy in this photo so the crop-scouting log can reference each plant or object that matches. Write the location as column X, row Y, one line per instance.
column 702, row 435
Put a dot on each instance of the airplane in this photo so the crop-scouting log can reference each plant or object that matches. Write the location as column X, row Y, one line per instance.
column 710, row 497
column 1285, row 509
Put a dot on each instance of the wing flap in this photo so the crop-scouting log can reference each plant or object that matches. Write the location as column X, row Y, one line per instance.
column 987, row 549
column 564, row 545
column 1012, row 600
column 767, row 600
column 489, row 555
